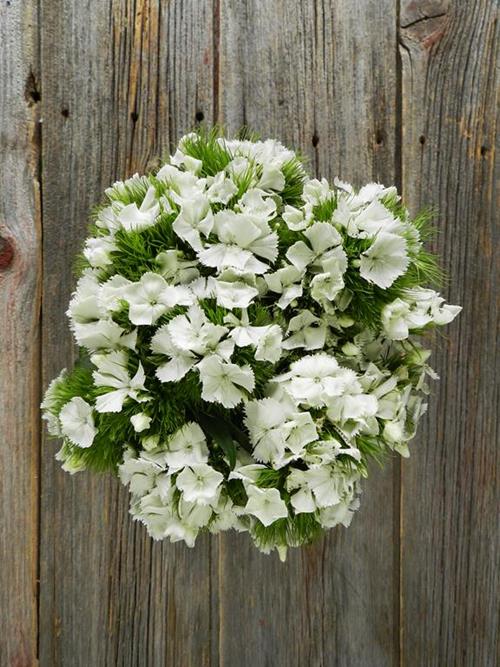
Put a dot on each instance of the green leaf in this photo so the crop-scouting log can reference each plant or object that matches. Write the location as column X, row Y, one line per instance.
column 220, row 433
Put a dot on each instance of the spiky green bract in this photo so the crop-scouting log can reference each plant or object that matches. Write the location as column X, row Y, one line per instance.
column 324, row 210
column 295, row 177
column 294, row 531
column 205, row 146
column 136, row 251
column 131, row 191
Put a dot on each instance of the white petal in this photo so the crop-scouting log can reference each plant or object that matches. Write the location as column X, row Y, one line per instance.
column 177, row 295
column 152, row 283
column 176, row 368
column 322, row 236
column 272, row 178
column 300, row 255
column 303, row 501
column 162, row 343
column 137, row 382
column 112, row 401
column 145, row 314
column 234, row 294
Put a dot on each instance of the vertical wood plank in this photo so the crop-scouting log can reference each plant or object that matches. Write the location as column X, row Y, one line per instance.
column 19, row 331
column 121, row 80
column 450, row 546
column 320, row 76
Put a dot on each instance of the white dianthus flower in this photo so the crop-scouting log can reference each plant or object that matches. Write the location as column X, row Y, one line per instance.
column 224, row 382
column 112, row 373
column 385, row 260
column 77, row 422
column 266, row 504
column 200, row 483
column 152, row 296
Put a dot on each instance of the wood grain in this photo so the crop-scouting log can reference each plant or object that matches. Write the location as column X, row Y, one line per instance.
column 19, row 332
column 292, row 71
column 117, row 90
column 450, row 542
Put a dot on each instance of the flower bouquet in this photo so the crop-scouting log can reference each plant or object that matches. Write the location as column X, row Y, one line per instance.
column 248, row 342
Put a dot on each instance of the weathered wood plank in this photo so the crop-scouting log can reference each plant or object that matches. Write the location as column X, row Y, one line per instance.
column 450, row 545
column 19, row 331
column 320, row 76
column 121, row 80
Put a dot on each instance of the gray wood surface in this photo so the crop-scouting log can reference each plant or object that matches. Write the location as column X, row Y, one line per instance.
column 20, row 255
column 397, row 91
column 450, row 541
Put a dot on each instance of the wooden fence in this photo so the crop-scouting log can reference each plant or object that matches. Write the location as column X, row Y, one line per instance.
column 398, row 91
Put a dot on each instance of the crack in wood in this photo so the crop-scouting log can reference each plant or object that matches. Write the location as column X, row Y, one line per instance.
column 423, row 19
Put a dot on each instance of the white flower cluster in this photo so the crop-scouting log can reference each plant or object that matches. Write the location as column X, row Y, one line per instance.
column 245, row 342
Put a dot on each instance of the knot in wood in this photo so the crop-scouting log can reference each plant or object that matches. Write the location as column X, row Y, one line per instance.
column 6, row 253
column 424, row 22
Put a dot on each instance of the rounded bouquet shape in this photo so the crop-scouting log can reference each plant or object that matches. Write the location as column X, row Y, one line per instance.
column 245, row 342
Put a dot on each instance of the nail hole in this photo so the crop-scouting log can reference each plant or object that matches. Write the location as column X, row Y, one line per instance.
column 315, row 140
column 134, row 116
column 422, row 139
column 199, row 116
column 281, row 102
column 484, row 150
column 32, row 94
column 65, row 112
column 379, row 138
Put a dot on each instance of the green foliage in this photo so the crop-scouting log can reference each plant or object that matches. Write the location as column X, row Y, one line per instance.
column 77, row 382
column 393, row 203
column 237, row 492
column 114, row 430
column 131, row 191
column 246, row 133
column 271, row 478
column 214, row 313
column 295, row 176
column 137, row 250
column 372, row 448
column 286, row 237
column 259, row 315
column 424, row 269
column 205, row 146
column 215, row 417
column 243, row 182
column 173, row 405
column 80, row 263
column 104, row 455
column 323, row 212
column 220, row 433
column 423, row 223
column 295, row 530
